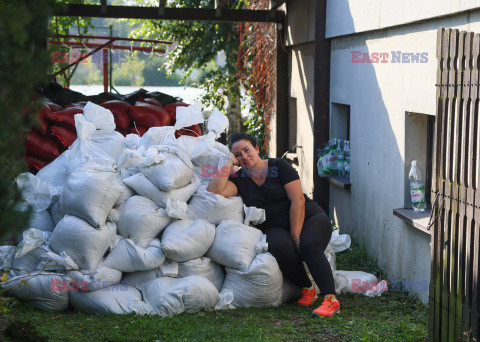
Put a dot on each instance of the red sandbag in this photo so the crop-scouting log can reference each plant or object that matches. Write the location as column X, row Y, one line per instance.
column 147, row 115
column 153, row 102
column 35, row 163
column 119, row 110
column 193, row 131
column 172, row 108
column 41, row 112
column 65, row 117
column 53, row 106
column 139, row 130
column 80, row 105
column 63, row 136
column 41, row 146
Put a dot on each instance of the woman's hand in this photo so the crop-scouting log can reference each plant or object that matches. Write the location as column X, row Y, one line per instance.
column 234, row 160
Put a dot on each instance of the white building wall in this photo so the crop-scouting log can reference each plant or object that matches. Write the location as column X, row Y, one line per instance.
column 355, row 16
column 379, row 95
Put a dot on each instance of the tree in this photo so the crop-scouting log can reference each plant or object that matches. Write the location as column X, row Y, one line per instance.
column 24, row 64
column 64, row 25
column 197, row 46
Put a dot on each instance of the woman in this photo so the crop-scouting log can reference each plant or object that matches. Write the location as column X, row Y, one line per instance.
column 296, row 227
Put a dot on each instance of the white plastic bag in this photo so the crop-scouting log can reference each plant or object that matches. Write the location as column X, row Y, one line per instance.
column 260, row 285
column 214, row 208
column 204, row 267
column 41, row 290
column 338, row 242
column 253, row 215
column 217, row 122
column 158, row 136
column 354, row 281
column 126, row 256
column 83, row 243
column 188, row 116
column 141, row 220
column 34, row 191
column 91, row 192
column 112, row 300
column 173, row 296
column 235, row 245
column 185, row 240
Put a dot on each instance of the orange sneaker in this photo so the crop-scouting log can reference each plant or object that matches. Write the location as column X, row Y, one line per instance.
column 329, row 307
column 309, row 295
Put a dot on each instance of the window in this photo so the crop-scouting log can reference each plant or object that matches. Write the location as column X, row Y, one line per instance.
column 340, row 122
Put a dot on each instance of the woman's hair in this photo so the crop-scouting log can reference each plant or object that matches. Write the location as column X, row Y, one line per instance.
column 242, row 136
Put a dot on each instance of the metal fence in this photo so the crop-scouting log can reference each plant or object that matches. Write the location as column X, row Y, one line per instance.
column 454, row 300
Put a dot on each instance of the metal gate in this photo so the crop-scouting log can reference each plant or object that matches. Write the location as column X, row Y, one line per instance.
column 454, row 285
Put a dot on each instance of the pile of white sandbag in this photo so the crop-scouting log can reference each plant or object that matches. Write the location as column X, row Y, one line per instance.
column 125, row 224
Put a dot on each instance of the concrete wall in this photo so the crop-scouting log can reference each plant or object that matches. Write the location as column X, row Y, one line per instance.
column 300, row 44
column 366, row 15
column 383, row 136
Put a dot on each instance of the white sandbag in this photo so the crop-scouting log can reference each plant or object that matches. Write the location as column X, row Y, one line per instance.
column 57, row 213
column 144, row 187
column 214, row 208
column 91, row 192
column 34, row 191
column 173, row 296
column 167, row 269
column 84, row 150
column 132, row 141
column 354, row 281
column 185, row 240
column 217, row 122
column 126, row 256
column 141, row 220
column 236, row 245
column 96, row 279
column 42, row 221
column 30, row 250
column 6, row 257
column 167, row 167
column 41, row 290
column 176, row 209
column 204, row 267
column 253, row 215
column 125, row 194
column 60, row 263
column 158, row 136
column 226, row 300
column 260, row 285
column 339, row 242
column 102, row 118
column 111, row 300
column 188, row 116
column 83, row 243
column 110, row 141
column 55, row 173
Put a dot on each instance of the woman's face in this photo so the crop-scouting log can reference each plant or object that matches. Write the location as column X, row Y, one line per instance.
column 246, row 154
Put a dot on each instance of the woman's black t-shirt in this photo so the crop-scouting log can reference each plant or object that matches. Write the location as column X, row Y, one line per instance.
column 271, row 195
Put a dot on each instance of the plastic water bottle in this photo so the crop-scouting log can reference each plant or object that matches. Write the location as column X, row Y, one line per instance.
column 333, row 157
column 340, row 160
column 346, row 157
column 417, row 188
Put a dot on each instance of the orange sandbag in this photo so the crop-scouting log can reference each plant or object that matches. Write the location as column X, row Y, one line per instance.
column 63, row 136
column 147, row 115
column 41, row 146
column 153, row 102
column 35, row 163
column 65, row 117
column 172, row 109
column 193, row 131
column 139, row 130
column 119, row 110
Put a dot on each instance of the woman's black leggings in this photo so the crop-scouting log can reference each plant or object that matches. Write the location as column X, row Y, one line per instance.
column 315, row 236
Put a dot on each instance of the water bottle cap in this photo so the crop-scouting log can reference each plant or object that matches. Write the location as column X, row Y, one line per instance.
column 414, row 162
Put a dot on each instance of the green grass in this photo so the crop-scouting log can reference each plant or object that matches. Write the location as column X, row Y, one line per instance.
column 394, row 316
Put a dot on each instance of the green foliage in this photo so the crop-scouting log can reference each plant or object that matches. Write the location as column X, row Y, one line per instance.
column 197, row 45
column 129, row 72
column 24, row 65
column 87, row 73
column 256, row 127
